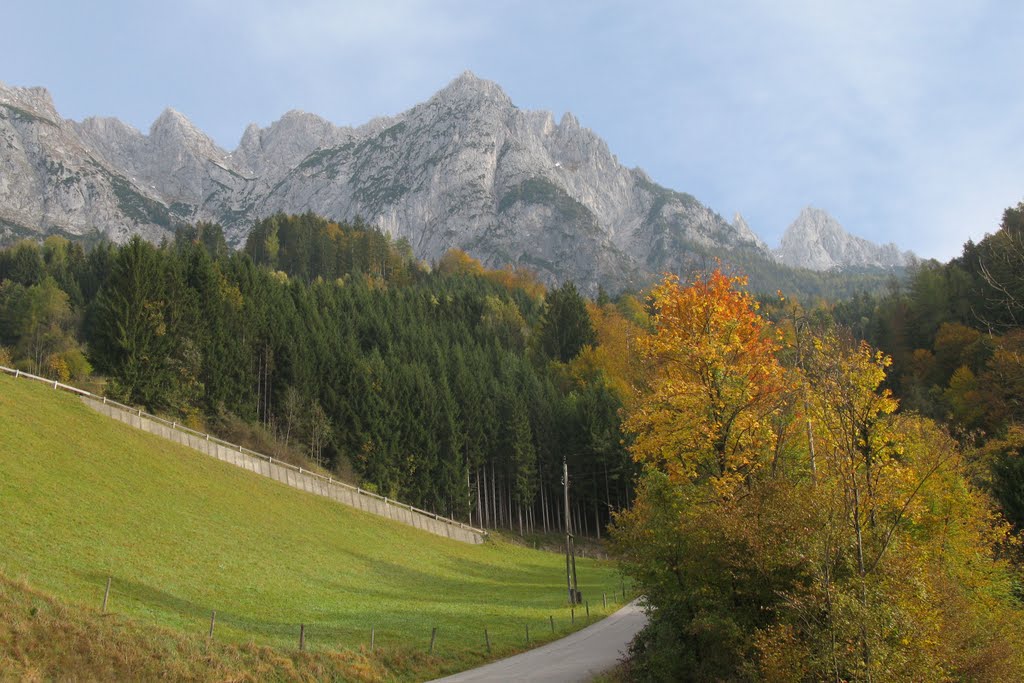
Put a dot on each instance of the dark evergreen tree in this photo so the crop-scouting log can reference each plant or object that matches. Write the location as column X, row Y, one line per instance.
column 138, row 334
column 565, row 327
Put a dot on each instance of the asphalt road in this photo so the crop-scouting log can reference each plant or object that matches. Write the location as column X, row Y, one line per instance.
column 577, row 657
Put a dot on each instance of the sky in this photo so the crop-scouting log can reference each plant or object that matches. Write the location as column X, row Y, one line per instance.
column 904, row 119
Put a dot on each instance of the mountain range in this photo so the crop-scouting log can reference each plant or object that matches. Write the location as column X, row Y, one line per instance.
column 465, row 169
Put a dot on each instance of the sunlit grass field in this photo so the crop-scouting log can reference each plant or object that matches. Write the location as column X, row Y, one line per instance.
column 84, row 498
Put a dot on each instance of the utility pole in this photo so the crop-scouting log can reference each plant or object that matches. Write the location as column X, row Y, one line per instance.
column 572, row 585
column 565, row 483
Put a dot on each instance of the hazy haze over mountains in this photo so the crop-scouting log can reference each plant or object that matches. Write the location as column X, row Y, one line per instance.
column 466, row 169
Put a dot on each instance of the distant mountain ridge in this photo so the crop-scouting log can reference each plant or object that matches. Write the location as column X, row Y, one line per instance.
column 816, row 241
column 466, row 169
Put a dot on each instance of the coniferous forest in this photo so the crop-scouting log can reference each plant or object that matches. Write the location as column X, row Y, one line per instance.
column 452, row 389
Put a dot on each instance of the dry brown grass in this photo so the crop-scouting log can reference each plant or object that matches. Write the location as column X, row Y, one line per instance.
column 42, row 639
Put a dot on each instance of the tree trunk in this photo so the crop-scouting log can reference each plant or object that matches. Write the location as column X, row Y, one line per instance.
column 479, row 504
column 543, row 507
column 494, row 502
column 862, row 571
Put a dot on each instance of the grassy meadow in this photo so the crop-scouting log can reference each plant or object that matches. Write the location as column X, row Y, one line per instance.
column 83, row 498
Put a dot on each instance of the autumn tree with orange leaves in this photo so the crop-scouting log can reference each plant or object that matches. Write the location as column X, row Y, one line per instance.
column 875, row 559
column 716, row 383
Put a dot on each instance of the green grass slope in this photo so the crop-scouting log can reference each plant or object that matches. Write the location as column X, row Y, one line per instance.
column 83, row 497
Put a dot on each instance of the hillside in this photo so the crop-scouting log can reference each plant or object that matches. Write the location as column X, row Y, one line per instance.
column 181, row 534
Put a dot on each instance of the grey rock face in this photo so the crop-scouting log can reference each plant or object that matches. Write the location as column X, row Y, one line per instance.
column 51, row 180
column 739, row 223
column 465, row 169
column 816, row 240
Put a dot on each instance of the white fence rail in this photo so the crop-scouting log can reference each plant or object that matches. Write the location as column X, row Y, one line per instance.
column 330, row 481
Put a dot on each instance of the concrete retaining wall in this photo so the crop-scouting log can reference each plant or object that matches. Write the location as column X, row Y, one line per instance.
column 295, row 477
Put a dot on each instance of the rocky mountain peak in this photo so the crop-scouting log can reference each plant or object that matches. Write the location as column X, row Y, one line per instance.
column 170, row 119
column 173, row 127
column 745, row 234
column 35, row 101
column 250, row 137
column 469, row 86
column 285, row 142
column 108, row 125
column 569, row 121
column 817, row 241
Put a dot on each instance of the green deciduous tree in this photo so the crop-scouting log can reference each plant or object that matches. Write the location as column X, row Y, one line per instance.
column 38, row 322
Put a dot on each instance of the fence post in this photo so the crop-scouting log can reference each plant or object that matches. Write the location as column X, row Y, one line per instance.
column 588, row 610
column 302, row 637
column 551, row 618
column 572, row 614
column 213, row 620
column 372, row 635
column 527, row 634
column 433, row 637
column 106, row 595
column 604, row 596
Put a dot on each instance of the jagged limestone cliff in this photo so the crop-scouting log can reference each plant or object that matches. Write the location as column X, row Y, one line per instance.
column 816, row 241
column 465, row 169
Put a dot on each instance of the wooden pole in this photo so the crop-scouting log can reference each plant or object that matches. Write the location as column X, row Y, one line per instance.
column 575, row 583
column 302, row 637
column 551, row 618
column 487, row 639
column 588, row 610
column 527, row 634
column 568, row 532
column 604, row 597
column 213, row 621
column 572, row 614
column 433, row 637
column 106, row 595
column 372, row 635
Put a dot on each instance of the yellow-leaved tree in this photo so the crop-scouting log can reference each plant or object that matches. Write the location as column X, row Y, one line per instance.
column 715, row 383
column 869, row 556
